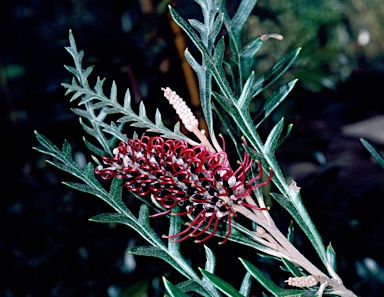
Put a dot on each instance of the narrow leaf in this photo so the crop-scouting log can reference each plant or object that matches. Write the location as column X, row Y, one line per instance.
column 246, row 284
column 142, row 112
column 151, row 251
column 242, row 14
column 292, row 268
column 67, row 150
column 275, row 72
column 291, row 230
column 216, row 27
column 113, row 218
column 246, row 94
column 174, row 228
column 211, row 260
column 274, row 100
column 273, row 138
column 218, row 54
column 113, row 95
column 94, row 149
column 374, row 152
column 284, row 137
column 331, row 257
column 87, row 72
column 199, row 26
column 192, row 286
column 173, row 290
column 268, row 284
column 85, row 188
column 220, row 284
column 127, row 100
column 116, row 189
column 248, row 54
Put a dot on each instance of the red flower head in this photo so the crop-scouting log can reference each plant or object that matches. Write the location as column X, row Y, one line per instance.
column 177, row 174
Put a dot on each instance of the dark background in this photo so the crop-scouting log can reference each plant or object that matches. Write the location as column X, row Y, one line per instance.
column 47, row 245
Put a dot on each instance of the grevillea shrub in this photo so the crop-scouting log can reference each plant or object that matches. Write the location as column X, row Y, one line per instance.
column 190, row 179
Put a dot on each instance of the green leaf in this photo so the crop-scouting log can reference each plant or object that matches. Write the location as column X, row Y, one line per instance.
column 275, row 72
column 145, row 229
column 291, row 230
column 48, row 146
column 174, row 228
column 246, row 94
column 86, row 189
column 114, row 218
column 220, row 284
column 241, row 15
column 149, row 251
column 210, row 267
column 173, row 290
column 143, row 219
column 273, row 101
column 216, row 27
column 115, row 194
column 94, row 149
column 116, row 189
column 292, row 268
column 192, row 286
column 218, row 54
column 284, row 137
column 115, row 131
column 331, row 257
column 269, row 285
column 248, row 54
column 211, row 260
column 246, row 284
column 273, row 138
column 113, row 95
column 152, row 251
column 199, row 26
column 379, row 158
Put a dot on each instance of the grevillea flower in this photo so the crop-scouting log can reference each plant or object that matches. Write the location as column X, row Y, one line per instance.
column 174, row 174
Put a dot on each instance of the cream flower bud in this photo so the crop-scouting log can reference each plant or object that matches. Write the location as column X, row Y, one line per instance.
column 303, row 281
column 184, row 112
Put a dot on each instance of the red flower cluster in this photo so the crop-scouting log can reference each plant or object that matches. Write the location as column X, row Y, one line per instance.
column 191, row 177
